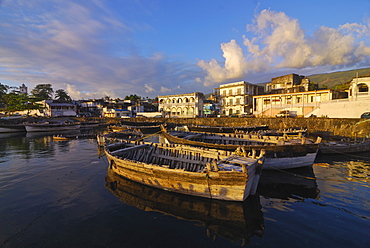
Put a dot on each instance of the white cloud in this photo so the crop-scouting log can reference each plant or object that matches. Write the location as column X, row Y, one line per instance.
column 280, row 42
column 148, row 88
column 165, row 90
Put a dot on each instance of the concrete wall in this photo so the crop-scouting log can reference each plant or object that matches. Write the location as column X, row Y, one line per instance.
column 343, row 108
column 325, row 127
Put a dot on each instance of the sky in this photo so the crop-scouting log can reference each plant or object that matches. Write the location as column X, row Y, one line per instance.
column 97, row 48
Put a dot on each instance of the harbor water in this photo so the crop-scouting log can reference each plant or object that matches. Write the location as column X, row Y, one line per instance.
column 61, row 194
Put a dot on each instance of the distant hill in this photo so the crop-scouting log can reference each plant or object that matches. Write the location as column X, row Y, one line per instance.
column 337, row 78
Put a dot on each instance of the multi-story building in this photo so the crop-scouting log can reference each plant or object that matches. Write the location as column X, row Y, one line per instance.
column 294, row 93
column 55, row 108
column 299, row 103
column 181, row 105
column 236, row 98
column 289, row 83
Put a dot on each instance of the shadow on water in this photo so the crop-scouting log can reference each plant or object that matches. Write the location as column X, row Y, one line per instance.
column 235, row 221
column 294, row 183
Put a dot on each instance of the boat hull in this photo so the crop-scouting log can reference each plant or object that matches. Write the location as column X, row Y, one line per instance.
column 277, row 156
column 222, row 185
column 12, row 128
column 344, row 148
column 50, row 127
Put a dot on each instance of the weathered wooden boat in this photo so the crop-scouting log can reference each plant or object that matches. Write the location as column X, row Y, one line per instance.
column 11, row 128
column 284, row 155
column 187, row 170
column 342, row 147
column 210, row 129
column 141, row 123
column 143, row 129
column 118, row 137
column 51, row 126
column 89, row 124
column 235, row 221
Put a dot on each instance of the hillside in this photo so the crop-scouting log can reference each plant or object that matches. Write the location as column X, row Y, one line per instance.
column 337, row 78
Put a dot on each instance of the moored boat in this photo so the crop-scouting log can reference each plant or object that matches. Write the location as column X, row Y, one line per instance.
column 342, row 147
column 216, row 129
column 187, row 170
column 11, row 128
column 143, row 129
column 118, row 137
column 278, row 155
column 51, row 126
column 89, row 124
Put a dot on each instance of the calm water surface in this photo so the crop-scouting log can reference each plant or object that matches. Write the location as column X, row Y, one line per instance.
column 61, row 194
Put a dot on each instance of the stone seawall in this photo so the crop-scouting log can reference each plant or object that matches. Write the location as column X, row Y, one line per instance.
column 327, row 127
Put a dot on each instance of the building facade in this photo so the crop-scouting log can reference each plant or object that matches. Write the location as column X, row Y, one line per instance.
column 287, row 84
column 181, row 105
column 299, row 103
column 55, row 109
column 359, row 88
column 237, row 98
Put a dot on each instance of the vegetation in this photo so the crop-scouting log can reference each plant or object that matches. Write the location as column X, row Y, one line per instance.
column 132, row 97
column 338, row 80
column 61, row 95
column 43, row 91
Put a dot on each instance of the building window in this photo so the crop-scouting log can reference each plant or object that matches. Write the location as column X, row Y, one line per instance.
column 230, row 92
column 237, row 101
column 238, row 91
column 231, row 101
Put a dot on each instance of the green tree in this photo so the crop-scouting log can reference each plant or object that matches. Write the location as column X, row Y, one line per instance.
column 3, row 91
column 43, row 91
column 15, row 102
column 62, row 95
column 132, row 97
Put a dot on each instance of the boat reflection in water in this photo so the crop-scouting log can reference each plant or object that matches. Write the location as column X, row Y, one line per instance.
column 283, row 184
column 235, row 221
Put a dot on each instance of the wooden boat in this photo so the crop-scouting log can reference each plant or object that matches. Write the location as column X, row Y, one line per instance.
column 143, row 129
column 235, row 221
column 11, row 128
column 278, row 156
column 342, row 147
column 187, row 170
column 209, row 129
column 140, row 123
column 118, row 137
column 89, row 124
column 51, row 126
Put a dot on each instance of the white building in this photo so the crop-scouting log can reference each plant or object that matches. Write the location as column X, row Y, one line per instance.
column 182, row 105
column 55, row 109
column 318, row 102
column 237, row 98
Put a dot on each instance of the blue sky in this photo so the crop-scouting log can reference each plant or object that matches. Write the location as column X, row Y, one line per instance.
column 96, row 48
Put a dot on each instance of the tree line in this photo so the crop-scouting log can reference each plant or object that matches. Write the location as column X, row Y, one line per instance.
column 12, row 100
